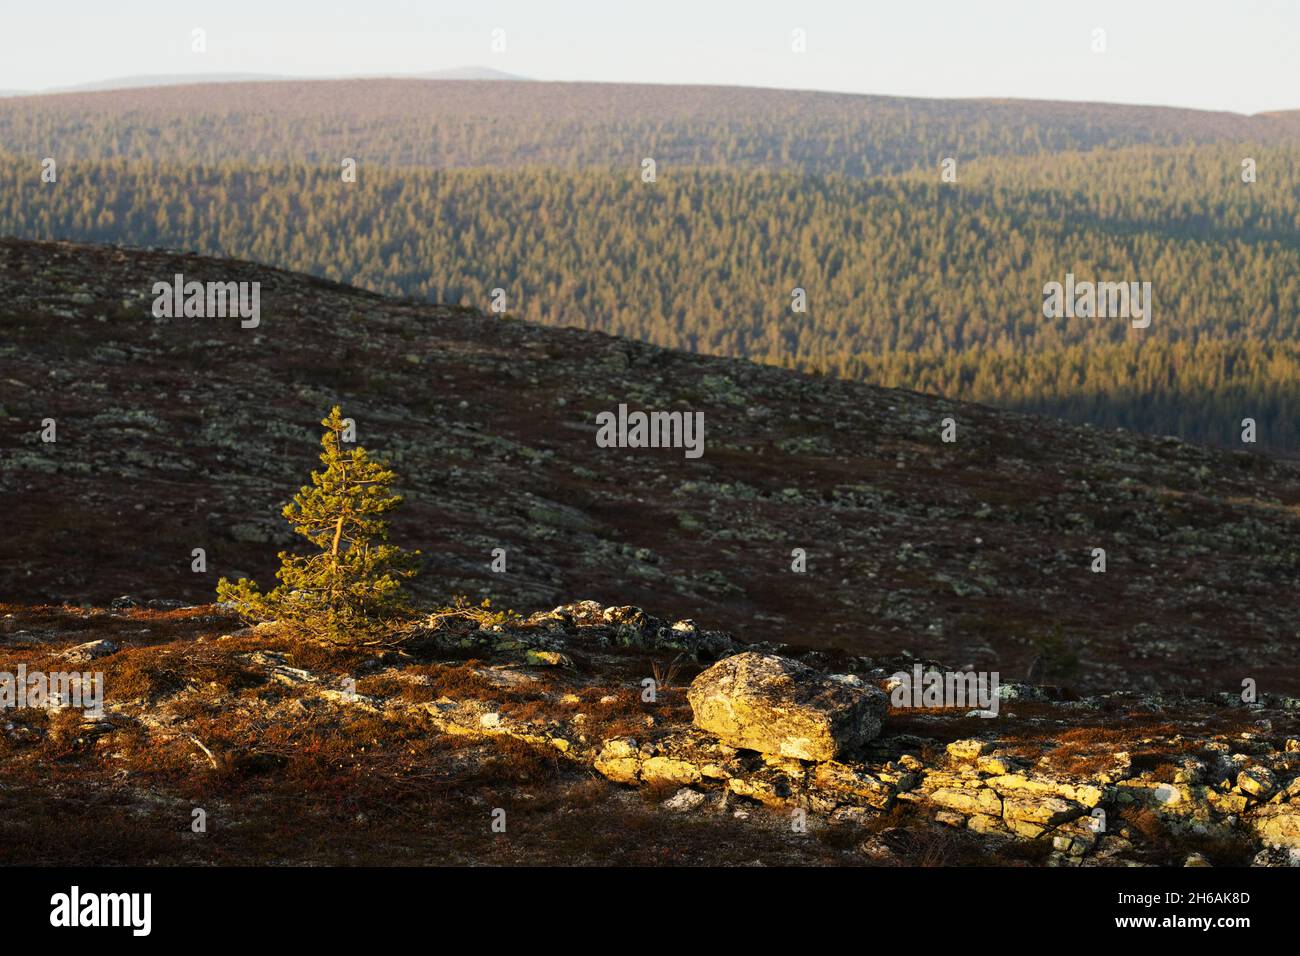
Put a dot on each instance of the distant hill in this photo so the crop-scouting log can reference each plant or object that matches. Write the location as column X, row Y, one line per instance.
column 149, row 81
column 510, row 123
column 467, row 73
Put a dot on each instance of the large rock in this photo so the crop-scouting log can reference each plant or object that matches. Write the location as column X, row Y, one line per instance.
column 778, row 706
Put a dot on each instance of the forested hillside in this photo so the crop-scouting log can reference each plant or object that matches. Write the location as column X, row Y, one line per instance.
column 450, row 123
column 910, row 281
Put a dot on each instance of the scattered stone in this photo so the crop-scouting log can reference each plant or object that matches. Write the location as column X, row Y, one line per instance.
column 542, row 658
column 1259, row 782
column 1277, row 856
column 967, row 749
column 89, row 651
column 777, row 719
column 684, row 799
column 848, row 780
column 619, row 760
column 995, row 766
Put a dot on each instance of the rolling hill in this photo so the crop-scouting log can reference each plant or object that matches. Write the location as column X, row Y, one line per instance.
column 509, row 123
column 911, row 281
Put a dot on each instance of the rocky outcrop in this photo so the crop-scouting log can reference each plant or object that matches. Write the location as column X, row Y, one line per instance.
column 766, row 735
column 540, row 637
column 778, row 706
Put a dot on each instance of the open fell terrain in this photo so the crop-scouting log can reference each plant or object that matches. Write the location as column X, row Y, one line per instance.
column 176, row 434
column 1121, row 738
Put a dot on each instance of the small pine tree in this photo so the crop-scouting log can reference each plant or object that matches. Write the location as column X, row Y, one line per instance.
column 350, row 587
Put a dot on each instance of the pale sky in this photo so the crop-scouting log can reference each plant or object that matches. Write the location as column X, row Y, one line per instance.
column 1239, row 55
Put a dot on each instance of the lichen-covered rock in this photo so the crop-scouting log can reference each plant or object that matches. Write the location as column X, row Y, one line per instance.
column 1076, row 837
column 841, row 779
column 1015, row 783
column 89, row 651
column 968, row 749
column 1259, row 782
column 588, row 623
column 685, row 800
column 982, row 800
column 1278, row 825
column 1044, row 811
column 995, row 765
column 664, row 770
column 619, row 761
column 1277, row 856
column 778, row 706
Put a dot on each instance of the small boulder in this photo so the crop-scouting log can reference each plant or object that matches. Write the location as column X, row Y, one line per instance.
column 684, row 800
column 619, row 760
column 968, row 749
column 1259, row 782
column 778, row 706
column 89, row 651
column 1277, row 856
column 995, row 765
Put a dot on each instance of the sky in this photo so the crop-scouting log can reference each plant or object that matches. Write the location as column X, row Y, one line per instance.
column 1242, row 56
